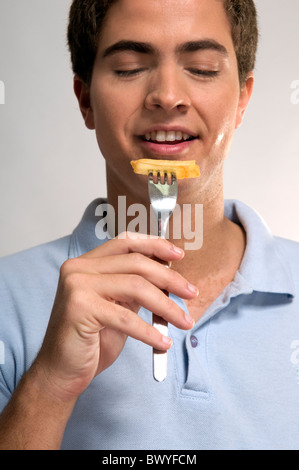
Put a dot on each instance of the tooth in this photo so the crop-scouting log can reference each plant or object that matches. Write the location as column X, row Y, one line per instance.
column 170, row 136
column 161, row 136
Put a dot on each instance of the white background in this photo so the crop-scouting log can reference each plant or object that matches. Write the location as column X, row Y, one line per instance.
column 50, row 166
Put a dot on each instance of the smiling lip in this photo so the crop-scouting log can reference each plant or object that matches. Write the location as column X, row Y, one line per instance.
column 164, row 149
column 167, row 141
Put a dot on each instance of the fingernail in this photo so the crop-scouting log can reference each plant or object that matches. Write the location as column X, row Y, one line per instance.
column 177, row 250
column 193, row 289
column 167, row 341
column 189, row 319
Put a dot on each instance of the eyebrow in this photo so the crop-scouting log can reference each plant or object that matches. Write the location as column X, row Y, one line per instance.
column 135, row 46
column 204, row 44
column 146, row 48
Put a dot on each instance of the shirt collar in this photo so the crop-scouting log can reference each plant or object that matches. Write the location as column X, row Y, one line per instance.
column 88, row 234
column 262, row 269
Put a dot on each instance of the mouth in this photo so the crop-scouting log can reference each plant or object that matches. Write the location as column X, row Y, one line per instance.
column 172, row 137
column 167, row 143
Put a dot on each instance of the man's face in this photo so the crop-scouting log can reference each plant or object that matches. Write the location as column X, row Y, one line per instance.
column 165, row 85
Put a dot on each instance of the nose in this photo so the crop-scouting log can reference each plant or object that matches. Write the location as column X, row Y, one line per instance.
column 167, row 91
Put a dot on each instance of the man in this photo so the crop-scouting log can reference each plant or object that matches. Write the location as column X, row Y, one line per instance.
column 145, row 71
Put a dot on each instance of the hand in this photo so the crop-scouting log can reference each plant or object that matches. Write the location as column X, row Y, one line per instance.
column 98, row 297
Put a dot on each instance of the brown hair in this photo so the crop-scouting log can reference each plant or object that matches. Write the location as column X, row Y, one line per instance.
column 242, row 15
column 86, row 20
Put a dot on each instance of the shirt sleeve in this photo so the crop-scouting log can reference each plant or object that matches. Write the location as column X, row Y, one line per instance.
column 5, row 394
column 28, row 283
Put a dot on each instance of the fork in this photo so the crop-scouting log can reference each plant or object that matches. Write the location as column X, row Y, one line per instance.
column 162, row 189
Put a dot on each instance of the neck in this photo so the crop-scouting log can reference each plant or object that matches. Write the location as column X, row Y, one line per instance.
column 218, row 244
column 222, row 249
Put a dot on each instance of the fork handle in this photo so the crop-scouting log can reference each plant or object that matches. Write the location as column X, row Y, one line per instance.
column 160, row 357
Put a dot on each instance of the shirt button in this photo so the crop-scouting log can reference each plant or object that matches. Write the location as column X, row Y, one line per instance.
column 194, row 341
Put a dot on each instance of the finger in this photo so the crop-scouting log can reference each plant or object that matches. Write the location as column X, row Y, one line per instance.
column 147, row 245
column 126, row 289
column 153, row 271
column 121, row 319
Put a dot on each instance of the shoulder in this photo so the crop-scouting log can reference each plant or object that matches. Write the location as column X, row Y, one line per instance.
column 33, row 260
column 28, row 279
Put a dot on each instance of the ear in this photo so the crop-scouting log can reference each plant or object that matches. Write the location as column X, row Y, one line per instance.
column 245, row 95
column 82, row 93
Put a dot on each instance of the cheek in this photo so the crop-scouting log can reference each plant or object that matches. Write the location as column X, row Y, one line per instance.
column 108, row 120
column 113, row 111
column 105, row 113
column 223, row 140
column 223, row 116
column 220, row 127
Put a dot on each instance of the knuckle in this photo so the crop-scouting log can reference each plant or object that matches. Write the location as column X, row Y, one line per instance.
column 172, row 275
column 149, row 332
column 172, row 279
column 121, row 236
column 162, row 245
column 137, row 282
column 169, row 304
column 126, row 235
column 72, row 281
column 64, row 268
column 68, row 266
column 125, row 317
column 136, row 258
column 161, row 242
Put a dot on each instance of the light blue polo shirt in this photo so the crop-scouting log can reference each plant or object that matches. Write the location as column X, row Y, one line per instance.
column 232, row 383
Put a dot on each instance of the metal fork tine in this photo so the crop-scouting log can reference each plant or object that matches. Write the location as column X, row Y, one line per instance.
column 163, row 197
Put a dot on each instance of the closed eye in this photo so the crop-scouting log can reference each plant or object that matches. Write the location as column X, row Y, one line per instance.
column 203, row 73
column 128, row 73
